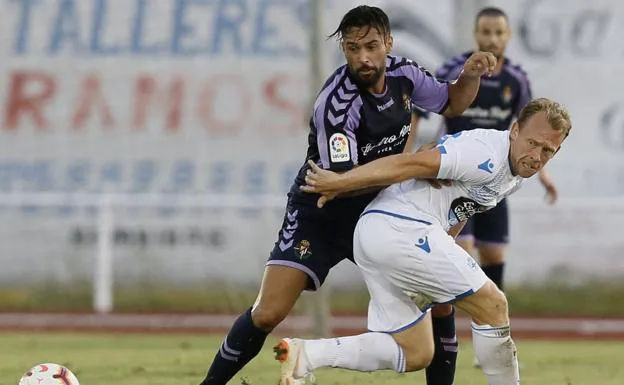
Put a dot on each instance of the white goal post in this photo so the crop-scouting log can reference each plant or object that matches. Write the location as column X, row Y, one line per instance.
column 319, row 308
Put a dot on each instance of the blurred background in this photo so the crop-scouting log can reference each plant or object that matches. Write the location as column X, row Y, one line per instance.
column 146, row 147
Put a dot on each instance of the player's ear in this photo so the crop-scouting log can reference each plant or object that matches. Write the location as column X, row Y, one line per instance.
column 389, row 44
column 515, row 130
column 507, row 29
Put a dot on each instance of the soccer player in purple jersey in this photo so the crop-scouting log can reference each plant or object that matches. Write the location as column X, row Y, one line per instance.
column 362, row 113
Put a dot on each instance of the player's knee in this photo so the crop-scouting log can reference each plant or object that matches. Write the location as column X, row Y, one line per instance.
column 441, row 310
column 499, row 301
column 488, row 306
column 267, row 316
column 418, row 356
column 496, row 307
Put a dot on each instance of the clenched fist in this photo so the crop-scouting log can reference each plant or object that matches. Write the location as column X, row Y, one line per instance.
column 479, row 64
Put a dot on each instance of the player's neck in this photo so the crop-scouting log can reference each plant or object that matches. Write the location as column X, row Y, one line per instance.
column 379, row 87
column 511, row 164
column 500, row 63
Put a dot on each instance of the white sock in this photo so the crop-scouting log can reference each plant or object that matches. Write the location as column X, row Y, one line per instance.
column 366, row 352
column 496, row 353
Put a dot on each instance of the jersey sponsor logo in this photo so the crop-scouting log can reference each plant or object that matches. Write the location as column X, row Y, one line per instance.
column 387, row 143
column 386, row 105
column 463, row 208
column 494, row 113
column 339, row 148
column 489, row 192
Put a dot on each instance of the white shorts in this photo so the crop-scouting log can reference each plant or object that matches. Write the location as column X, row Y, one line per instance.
column 408, row 266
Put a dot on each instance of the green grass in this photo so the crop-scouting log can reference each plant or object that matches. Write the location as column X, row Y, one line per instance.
column 599, row 299
column 100, row 359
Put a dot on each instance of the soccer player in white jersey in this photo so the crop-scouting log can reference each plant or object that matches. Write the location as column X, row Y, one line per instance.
column 405, row 248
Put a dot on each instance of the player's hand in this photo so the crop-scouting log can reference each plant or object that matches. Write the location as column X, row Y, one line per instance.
column 551, row 190
column 439, row 183
column 324, row 199
column 479, row 64
column 428, row 146
column 324, row 182
column 435, row 183
column 551, row 194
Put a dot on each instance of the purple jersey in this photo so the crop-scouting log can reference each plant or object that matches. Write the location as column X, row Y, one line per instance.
column 351, row 126
column 500, row 97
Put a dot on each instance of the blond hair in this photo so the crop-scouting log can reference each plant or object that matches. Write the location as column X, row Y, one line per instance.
column 556, row 115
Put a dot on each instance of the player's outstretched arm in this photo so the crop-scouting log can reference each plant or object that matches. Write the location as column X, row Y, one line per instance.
column 411, row 138
column 381, row 172
column 549, row 186
column 464, row 90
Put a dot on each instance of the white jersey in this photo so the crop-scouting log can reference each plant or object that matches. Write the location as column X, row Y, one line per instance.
column 478, row 163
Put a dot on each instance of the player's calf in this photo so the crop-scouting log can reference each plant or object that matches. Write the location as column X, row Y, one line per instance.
column 441, row 371
column 405, row 351
column 268, row 317
column 281, row 286
column 280, row 289
column 417, row 345
column 491, row 335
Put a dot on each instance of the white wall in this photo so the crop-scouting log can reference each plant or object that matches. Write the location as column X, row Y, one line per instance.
column 211, row 97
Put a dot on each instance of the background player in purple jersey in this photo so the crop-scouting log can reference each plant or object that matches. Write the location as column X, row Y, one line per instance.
column 362, row 113
column 501, row 97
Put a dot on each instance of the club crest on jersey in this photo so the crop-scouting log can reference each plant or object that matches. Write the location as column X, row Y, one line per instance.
column 423, row 244
column 507, row 95
column 303, row 249
column 407, row 103
column 339, row 148
column 486, row 166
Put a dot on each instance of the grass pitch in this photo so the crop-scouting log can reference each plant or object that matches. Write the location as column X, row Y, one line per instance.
column 106, row 359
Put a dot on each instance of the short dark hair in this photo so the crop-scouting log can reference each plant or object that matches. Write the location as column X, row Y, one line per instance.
column 363, row 16
column 490, row 12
